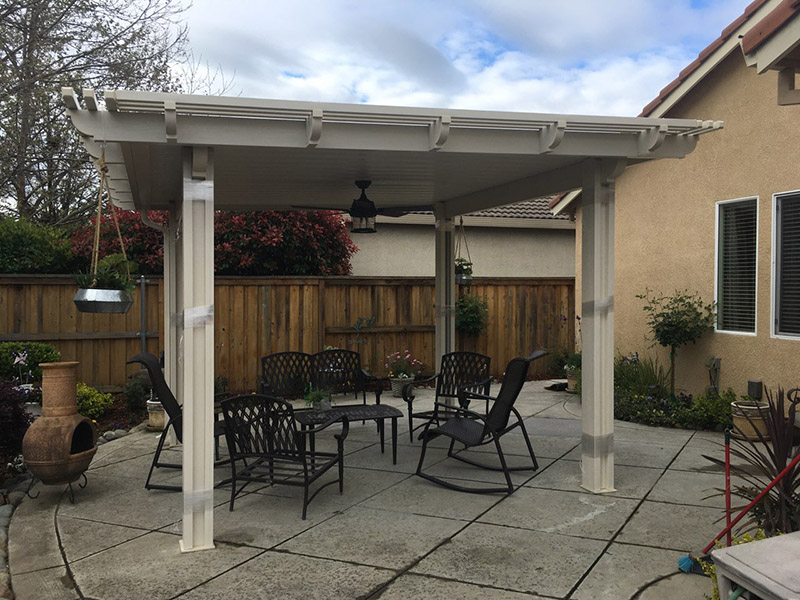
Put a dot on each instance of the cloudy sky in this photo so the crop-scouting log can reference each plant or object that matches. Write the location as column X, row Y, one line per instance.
column 567, row 56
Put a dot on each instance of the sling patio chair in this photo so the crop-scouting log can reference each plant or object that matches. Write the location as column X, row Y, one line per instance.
column 175, row 416
column 473, row 429
column 459, row 370
column 266, row 445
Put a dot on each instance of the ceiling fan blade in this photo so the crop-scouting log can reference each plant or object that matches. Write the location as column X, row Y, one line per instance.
column 399, row 211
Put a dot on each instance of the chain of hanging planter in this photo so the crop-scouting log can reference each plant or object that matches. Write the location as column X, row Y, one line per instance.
column 463, row 266
column 107, row 287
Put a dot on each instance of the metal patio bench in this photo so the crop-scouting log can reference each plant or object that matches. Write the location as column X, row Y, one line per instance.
column 266, row 445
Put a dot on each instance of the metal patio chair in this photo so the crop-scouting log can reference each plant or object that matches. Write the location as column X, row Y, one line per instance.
column 285, row 374
column 266, row 445
column 473, row 429
column 339, row 371
column 175, row 416
column 459, row 370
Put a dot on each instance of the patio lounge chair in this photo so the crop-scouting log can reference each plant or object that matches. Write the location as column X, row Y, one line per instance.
column 175, row 415
column 473, row 429
column 266, row 445
column 459, row 370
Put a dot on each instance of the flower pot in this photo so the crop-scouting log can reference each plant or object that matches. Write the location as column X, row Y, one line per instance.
column 156, row 416
column 744, row 428
column 463, row 279
column 96, row 300
column 397, row 385
column 324, row 404
column 573, row 376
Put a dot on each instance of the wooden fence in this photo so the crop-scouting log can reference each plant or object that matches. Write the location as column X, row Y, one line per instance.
column 254, row 317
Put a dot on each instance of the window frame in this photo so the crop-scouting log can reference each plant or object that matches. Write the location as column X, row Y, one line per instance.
column 773, row 316
column 717, row 212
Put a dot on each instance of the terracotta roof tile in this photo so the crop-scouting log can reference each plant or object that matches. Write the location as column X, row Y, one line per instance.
column 538, row 208
column 770, row 24
column 705, row 53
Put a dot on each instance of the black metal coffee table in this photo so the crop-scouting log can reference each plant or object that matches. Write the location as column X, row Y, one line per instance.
column 356, row 412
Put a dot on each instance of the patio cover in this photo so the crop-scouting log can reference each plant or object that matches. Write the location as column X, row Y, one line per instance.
column 193, row 154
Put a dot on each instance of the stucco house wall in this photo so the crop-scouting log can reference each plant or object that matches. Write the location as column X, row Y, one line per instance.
column 665, row 225
column 408, row 250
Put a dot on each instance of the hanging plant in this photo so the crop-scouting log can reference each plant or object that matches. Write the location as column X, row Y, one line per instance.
column 107, row 287
column 463, row 266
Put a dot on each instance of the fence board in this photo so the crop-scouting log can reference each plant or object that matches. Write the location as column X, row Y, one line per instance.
column 257, row 316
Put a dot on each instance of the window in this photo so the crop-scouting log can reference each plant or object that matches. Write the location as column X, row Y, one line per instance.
column 736, row 265
column 787, row 264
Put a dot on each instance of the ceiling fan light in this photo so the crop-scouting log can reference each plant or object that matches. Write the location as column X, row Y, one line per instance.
column 364, row 224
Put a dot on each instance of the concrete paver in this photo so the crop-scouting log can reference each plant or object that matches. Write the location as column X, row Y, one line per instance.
column 391, row 534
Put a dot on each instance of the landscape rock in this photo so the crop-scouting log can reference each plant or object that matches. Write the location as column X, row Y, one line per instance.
column 109, row 435
column 6, row 510
column 118, row 433
column 14, row 498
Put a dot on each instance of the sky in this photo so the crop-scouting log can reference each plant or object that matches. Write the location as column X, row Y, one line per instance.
column 607, row 57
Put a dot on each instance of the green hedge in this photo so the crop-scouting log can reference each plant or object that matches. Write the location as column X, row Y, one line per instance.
column 38, row 352
column 27, row 247
column 92, row 403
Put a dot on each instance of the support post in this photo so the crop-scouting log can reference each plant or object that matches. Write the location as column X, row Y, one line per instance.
column 196, row 366
column 445, row 337
column 597, row 327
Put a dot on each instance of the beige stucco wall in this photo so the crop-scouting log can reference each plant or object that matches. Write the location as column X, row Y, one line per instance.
column 665, row 224
column 408, row 250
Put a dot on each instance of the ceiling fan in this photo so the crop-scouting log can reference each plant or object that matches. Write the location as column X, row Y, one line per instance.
column 363, row 210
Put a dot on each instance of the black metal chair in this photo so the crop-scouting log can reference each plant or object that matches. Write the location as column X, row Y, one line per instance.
column 340, row 372
column 175, row 415
column 267, row 446
column 473, row 429
column 285, row 374
column 459, row 370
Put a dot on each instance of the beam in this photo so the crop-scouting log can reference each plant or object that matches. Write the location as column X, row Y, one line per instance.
column 597, row 327
column 196, row 369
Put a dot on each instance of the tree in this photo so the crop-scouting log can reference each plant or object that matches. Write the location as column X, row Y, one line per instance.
column 677, row 320
column 45, row 44
column 255, row 243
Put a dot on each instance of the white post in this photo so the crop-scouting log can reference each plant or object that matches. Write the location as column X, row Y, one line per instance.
column 196, row 365
column 597, row 323
column 171, row 295
column 445, row 336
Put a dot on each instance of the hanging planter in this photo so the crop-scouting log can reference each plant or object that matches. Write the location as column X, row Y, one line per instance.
column 463, row 266
column 107, row 287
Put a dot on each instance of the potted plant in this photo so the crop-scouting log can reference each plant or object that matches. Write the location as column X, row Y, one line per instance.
column 472, row 315
column 318, row 399
column 107, row 289
column 401, row 368
column 463, row 271
column 572, row 369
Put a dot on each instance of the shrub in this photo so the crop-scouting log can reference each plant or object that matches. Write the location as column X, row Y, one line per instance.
column 26, row 247
column 712, row 411
column 639, row 376
column 472, row 315
column 137, row 390
column 37, row 353
column 14, row 419
column 92, row 403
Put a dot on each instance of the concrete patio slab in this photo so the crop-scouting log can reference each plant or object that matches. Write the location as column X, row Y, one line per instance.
column 285, row 576
column 662, row 525
column 417, row 496
column 640, row 454
column 81, row 538
column 624, row 570
column 630, row 482
column 695, row 489
column 567, row 513
column 678, row 585
column 432, row 588
column 513, row 559
column 374, row 537
column 51, row 584
column 154, row 566
column 563, row 428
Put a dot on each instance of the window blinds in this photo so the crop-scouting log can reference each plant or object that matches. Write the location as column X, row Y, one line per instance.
column 787, row 278
column 736, row 287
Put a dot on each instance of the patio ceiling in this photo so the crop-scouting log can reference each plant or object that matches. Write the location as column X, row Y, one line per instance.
column 279, row 154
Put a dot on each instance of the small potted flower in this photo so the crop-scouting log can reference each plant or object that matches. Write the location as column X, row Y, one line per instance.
column 108, row 288
column 463, row 271
column 401, row 368
column 572, row 369
column 317, row 399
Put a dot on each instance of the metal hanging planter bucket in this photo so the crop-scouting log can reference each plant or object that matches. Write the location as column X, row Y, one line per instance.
column 103, row 301
column 105, row 289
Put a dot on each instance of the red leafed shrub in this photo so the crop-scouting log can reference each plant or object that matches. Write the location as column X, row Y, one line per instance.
column 246, row 243
column 143, row 244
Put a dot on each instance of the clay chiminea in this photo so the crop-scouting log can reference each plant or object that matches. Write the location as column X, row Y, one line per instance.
column 60, row 444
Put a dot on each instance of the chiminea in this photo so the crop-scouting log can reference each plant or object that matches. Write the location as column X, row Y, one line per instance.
column 60, row 444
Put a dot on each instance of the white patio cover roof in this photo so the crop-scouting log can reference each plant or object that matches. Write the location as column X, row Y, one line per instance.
column 278, row 154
